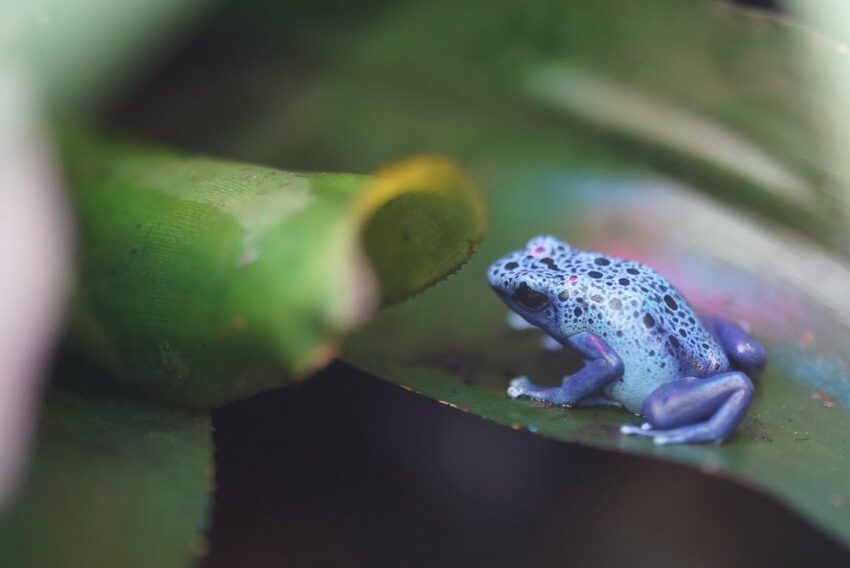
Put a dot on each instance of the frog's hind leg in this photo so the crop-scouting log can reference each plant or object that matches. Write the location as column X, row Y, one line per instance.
column 744, row 352
column 695, row 410
column 602, row 365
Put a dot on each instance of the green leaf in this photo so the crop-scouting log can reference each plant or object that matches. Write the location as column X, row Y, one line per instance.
column 453, row 344
column 203, row 281
column 113, row 482
column 562, row 125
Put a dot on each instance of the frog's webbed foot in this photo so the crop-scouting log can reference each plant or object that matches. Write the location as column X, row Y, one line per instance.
column 523, row 387
column 602, row 365
column 743, row 351
column 695, row 410
column 519, row 387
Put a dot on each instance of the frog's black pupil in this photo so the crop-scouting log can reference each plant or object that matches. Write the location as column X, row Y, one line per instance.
column 529, row 298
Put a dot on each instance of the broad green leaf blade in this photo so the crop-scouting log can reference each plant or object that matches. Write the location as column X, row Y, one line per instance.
column 453, row 344
column 203, row 281
column 676, row 72
column 113, row 482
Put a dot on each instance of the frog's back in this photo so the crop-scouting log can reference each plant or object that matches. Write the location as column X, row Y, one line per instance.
column 646, row 321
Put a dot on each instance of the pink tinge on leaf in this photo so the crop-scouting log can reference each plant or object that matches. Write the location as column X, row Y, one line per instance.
column 35, row 252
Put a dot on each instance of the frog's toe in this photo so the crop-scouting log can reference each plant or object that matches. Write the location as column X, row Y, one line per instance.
column 669, row 440
column 518, row 387
column 635, row 430
column 685, row 438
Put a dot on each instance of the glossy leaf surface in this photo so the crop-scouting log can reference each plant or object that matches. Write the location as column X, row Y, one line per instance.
column 716, row 118
column 453, row 343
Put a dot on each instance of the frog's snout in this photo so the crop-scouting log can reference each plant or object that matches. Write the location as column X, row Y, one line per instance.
column 501, row 274
column 493, row 272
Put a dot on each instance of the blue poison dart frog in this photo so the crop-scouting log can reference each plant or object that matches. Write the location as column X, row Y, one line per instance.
column 643, row 346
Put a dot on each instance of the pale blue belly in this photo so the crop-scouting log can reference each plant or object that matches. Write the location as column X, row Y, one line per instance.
column 648, row 363
column 642, row 373
column 638, row 384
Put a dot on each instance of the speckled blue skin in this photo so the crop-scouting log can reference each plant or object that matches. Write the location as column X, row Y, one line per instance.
column 643, row 345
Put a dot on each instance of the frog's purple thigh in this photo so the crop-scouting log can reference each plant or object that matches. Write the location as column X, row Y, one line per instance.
column 695, row 410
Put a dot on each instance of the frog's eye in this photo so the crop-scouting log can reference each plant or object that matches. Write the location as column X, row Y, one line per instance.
column 530, row 299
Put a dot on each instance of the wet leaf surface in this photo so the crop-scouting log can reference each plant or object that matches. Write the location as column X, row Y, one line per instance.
column 453, row 344
column 617, row 151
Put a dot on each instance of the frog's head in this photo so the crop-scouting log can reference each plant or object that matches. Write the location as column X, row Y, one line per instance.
column 529, row 280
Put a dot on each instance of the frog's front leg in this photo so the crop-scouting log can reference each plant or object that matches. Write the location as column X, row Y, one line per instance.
column 602, row 365
column 695, row 410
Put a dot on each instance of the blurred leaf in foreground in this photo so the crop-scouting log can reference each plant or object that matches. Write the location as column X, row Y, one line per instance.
column 35, row 256
column 82, row 52
column 114, row 482
column 203, row 281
